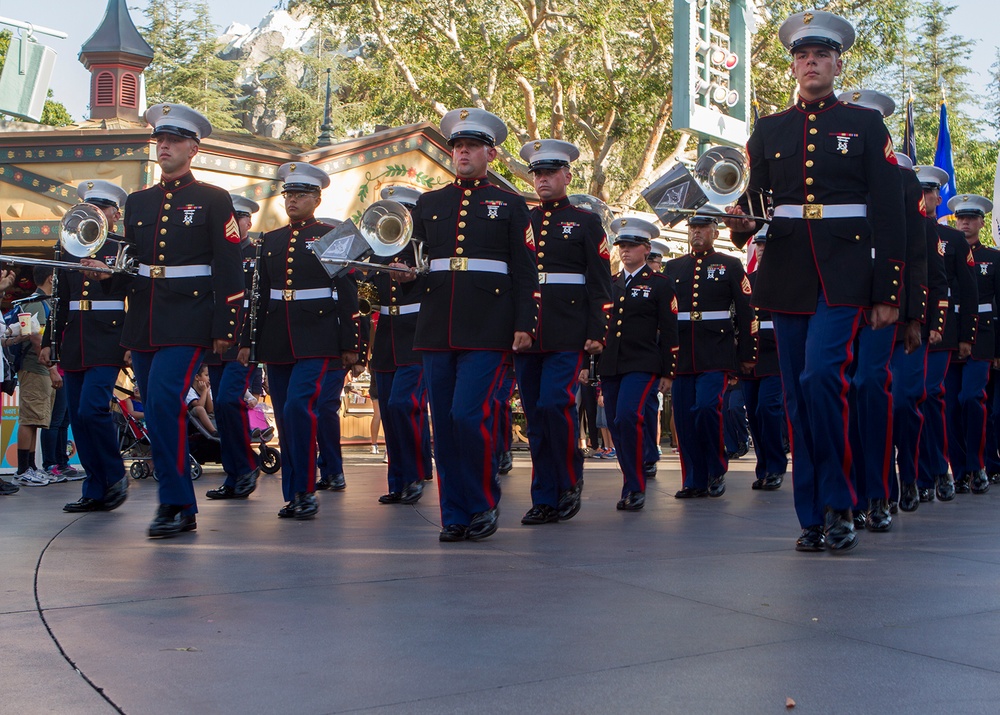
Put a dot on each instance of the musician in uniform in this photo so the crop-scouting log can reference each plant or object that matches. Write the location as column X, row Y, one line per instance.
column 230, row 380
column 304, row 320
column 824, row 163
column 86, row 335
column 965, row 382
column 639, row 356
column 717, row 339
column 763, row 396
column 477, row 304
column 658, row 250
column 186, row 298
column 574, row 278
column 399, row 374
column 962, row 306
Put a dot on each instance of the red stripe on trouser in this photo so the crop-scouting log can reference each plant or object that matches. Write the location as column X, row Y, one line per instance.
column 845, row 412
column 311, row 462
column 489, row 438
column 419, row 409
column 182, row 451
column 887, row 454
column 639, row 424
column 721, row 444
column 571, row 423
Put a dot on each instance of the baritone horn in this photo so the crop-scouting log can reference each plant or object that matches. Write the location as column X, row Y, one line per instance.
column 368, row 298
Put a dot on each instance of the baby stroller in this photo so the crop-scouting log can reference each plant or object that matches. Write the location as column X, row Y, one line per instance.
column 133, row 440
column 204, row 445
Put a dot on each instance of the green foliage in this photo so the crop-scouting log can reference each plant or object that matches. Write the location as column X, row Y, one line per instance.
column 54, row 114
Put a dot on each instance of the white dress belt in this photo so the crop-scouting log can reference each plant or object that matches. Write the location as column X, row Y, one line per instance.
column 818, row 211
column 766, row 325
column 194, row 271
column 86, row 305
column 985, row 307
column 460, row 263
column 705, row 315
column 306, row 294
column 399, row 309
column 576, row 279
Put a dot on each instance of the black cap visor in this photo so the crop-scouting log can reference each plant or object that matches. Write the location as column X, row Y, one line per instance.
column 176, row 131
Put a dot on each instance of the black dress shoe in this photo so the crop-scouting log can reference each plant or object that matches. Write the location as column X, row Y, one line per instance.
column 453, row 532
column 83, row 504
column 390, row 498
column 306, row 506
column 412, row 492
column 540, row 514
column 223, row 492
column 811, row 539
column 908, row 497
column 995, row 478
column 944, row 487
column 772, row 482
column 840, row 534
column 287, row 511
column 980, row 483
column 569, row 501
column 335, row 483
column 170, row 521
column 649, row 470
column 691, row 493
column 879, row 518
column 506, row 463
column 717, row 487
column 633, row 501
column 115, row 496
column 757, row 484
column 926, row 495
column 484, row 524
column 860, row 519
column 246, row 484
column 962, row 484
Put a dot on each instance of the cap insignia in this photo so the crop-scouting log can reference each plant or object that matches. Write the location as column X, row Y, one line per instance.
column 166, row 109
column 292, row 167
column 90, row 184
column 464, row 114
column 624, row 221
column 392, row 190
column 857, row 96
column 807, row 18
column 538, row 145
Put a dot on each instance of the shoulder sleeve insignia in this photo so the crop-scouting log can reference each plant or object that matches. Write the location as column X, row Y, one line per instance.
column 970, row 260
column 745, row 285
column 923, row 207
column 673, row 304
column 232, row 230
column 890, row 154
column 529, row 238
column 605, row 249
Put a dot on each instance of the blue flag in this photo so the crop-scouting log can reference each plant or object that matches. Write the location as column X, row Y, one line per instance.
column 943, row 160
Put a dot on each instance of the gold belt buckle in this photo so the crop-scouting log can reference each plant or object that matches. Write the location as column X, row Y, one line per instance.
column 458, row 263
column 543, row 278
column 288, row 294
column 85, row 305
column 393, row 310
column 695, row 315
column 157, row 271
column 812, row 211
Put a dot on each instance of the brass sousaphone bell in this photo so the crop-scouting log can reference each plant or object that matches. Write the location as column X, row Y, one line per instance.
column 385, row 229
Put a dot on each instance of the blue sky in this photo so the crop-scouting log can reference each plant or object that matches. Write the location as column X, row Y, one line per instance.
column 975, row 19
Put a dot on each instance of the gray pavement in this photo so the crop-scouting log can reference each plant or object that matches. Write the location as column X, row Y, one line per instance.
column 686, row 607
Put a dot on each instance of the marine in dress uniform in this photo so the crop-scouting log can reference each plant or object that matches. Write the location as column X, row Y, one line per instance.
column 399, row 375
column 185, row 300
column 658, row 250
column 88, row 327
column 965, row 382
column 305, row 320
column 640, row 352
column 962, row 307
column 477, row 304
column 824, row 163
column 763, row 395
column 574, row 276
column 230, row 380
column 717, row 340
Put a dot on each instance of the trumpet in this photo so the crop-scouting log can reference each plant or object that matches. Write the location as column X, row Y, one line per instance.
column 82, row 233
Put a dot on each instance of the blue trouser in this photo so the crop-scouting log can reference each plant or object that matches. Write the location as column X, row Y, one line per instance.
column 649, row 453
column 992, row 458
column 965, row 398
column 908, row 393
column 232, row 418
column 295, row 394
column 873, row 403
column 735, row 428
column 503, row 427
column 55, row 437
column 165, row 401
column 697, row 401
column 625, row 399
column 89, row 394
column 331, row 457
column 814, row 352
column 934, row 438
column 548, row 383
column 765, row 415
column 462, row 386
column 404, row 422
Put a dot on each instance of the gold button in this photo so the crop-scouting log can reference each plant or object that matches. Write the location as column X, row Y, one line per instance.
column 170, row 195
column 809, row 164
column 195, row 294
column 86, row 283
column 621, row 299
column 545, row 223
column 459, row 250
column 618, row 334
column 295, row 233
column 434, row 217
column 461, row 237
column 468, row 192
column 139, row 224
column 621, row 310
column 892, row 297
column 288, row 282
column 809, row 181
column 541, row 243
column 463, row 212
column 698, row 262
column 163, row 231
column 857, row 237
column 543, row 232
column 394, row 289
column 497, row 291
column 694, row 295
column 895, row 283
column 814, row 130
column 541, row 267
column 812, row 117
column 619, row 322
column 291, row 249
column 166, row 207
column 777, row 155
column 461, row 224
column 162, row 257
column 164, row 219
column 465, row 202
column 232, row 322
column 231, row 335
column 291, row 260
column 547, row 214
column 541, row 255
column 86, row 292
column 289, row 271
column 810, row 198
column 163, row 244
column 811, row 147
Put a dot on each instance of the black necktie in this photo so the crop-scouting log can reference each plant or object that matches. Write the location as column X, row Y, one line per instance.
column 628, row 279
